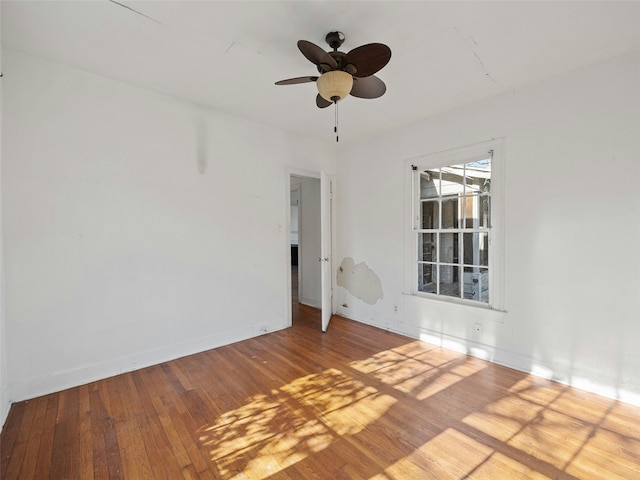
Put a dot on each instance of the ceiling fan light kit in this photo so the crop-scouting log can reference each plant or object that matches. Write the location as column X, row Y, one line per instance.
column 342, row 73
column 335, row 85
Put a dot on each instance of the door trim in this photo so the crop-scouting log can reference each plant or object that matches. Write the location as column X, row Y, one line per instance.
column 299, row 172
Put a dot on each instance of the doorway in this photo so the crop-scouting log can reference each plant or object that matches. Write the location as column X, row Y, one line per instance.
column 311, row 204
column 305, row 238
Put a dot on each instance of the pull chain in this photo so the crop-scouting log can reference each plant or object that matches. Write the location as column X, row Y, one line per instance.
column 335, row 128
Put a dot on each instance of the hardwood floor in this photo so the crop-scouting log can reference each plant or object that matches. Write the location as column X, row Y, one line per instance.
column 354, row 403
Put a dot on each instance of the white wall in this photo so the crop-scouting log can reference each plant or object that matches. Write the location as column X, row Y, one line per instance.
column 310, row 287
column 138, row 228
column 572, row 227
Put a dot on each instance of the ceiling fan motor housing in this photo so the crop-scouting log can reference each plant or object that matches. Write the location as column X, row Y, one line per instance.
column 335, row 39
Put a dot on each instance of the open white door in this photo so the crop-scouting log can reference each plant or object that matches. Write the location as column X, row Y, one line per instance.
column 326, row 205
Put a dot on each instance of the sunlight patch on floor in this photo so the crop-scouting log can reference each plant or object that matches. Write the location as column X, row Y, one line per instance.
column 504, row 418
column 565, row 428
column 620, row 463
column 451, row 454
column 501, row 466
column 272, row 432
column 417, row 372
column 455, row 455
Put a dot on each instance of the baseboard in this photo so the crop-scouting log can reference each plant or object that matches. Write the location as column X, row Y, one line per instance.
column 46, row 384
column 311, row 302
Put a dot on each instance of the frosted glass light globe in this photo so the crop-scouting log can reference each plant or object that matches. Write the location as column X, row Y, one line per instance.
column 335, row 85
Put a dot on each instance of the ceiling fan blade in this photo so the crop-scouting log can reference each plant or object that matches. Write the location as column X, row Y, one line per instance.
column 321, row 102
column 368, row 59
column 293, row 81
column 315, row 54
column 368, row 87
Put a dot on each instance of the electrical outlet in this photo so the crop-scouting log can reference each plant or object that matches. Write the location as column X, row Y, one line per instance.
column 478, row 328
column 395, row 308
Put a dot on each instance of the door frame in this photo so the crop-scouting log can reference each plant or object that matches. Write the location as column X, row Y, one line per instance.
column 298, row 172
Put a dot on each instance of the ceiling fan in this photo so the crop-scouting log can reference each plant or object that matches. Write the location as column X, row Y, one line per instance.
column 342, row 73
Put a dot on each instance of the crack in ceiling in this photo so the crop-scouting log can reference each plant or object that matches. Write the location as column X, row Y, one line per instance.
column 135, row 11
column 472, row 46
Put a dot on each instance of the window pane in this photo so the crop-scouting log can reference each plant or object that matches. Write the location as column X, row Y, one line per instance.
column 429, row 183
column 484, row 211
column 450, row 280
column 469, row 204
column 427, row 247
column 478, row 175
column 476, row 211
column 476, row 284
column 450, row 214
column 476, row 249
column 449, row 247
column 452, row 180
column 430, row 217
column 426, row 278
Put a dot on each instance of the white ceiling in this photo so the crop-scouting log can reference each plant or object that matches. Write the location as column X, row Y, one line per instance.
column 227, row 55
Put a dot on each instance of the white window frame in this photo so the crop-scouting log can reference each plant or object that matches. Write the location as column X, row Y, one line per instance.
column 496, row 238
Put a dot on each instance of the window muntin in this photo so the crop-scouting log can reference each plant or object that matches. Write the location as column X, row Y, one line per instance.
column 454, row 229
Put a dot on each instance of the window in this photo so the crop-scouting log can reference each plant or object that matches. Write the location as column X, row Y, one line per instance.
column 454, row 226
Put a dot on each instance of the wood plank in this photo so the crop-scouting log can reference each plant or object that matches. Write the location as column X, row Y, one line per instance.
column 84, row 434
column 202, row 465
column 161, row 458
column 35, row 438
column 64, row 446
column 124, row 402
column 9, row 436
column 105, row 459
column 43, row 461
column 15, row 459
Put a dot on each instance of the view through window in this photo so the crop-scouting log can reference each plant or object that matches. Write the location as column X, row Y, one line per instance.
column 454, row 229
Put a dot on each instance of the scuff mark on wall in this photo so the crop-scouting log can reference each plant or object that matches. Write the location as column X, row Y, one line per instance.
column 359, row 280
